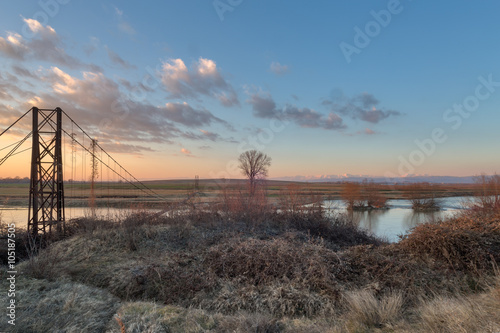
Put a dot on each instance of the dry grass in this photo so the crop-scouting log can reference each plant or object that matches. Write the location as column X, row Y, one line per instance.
column 262, row 270
column 70, row 307
column 366, row 311
column 44, row 306
column 477, row 313
column 139, row 317
column 279, row 300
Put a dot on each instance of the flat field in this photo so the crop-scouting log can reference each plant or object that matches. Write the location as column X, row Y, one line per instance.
column 113, row 194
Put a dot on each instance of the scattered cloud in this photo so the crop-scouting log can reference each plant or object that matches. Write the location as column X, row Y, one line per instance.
column 211, row 135
column 23, row 72
column 365, row 132
column 203, row 78
column 119, row 147
column 13, row 87
column 13, row 46
column 279, row 69
column 46, row 45
column 183, row 113
column 134, row 87
column 123, row 25
column 363, row 107
column 97, row 104
column 127, row 28
column 92, row 46
column 8, row 115
column 186, row 152
column 117, row 60
column 264, row 106
column 118, row 12
column 203, row 135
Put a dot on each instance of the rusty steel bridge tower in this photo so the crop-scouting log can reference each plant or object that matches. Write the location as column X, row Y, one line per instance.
column 46, row 203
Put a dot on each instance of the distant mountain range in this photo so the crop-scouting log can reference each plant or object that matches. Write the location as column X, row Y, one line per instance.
column 360, row 178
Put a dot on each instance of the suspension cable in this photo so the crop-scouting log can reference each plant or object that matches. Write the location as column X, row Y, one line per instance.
column 118, row 174
column 13, row 150
column 128, row 173
column 8, row 128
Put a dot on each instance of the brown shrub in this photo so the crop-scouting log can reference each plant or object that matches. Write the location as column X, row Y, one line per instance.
column 352, row 196
column 259, row 262
column 176, row 280
column 373, row 195
column 291, row 199
column 470, row 242
column 239, row 205
column 391, row 268
column 487, row 194
column 339, row 231
column 422, row 196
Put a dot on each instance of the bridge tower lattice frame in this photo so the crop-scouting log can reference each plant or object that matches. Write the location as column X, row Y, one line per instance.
column 46, row 203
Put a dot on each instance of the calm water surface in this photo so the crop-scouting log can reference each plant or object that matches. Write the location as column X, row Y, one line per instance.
column 400, row 218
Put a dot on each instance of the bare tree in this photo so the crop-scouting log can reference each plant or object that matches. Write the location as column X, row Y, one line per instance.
column 254, row 165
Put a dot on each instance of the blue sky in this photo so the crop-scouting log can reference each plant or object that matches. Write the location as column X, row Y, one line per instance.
column 183, row 87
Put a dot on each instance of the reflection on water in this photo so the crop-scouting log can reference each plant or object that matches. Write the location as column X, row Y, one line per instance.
column 19, row 215
column 412, row 219
column 367, row 219
column 400, row 218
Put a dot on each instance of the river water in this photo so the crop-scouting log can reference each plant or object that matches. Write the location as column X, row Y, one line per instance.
column 388, row 224
column 400, row 218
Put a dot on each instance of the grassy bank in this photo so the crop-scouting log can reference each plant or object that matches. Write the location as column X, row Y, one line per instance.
column 244, row 267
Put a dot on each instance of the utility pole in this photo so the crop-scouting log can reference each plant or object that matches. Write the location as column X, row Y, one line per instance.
column 93, row 175
column 196, row 183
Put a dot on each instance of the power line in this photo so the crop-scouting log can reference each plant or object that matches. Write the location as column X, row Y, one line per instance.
column 119, row 175
column 8, row 128
column 13, row 150
column 15, row 143
column 22, row 151
column 121, row 167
